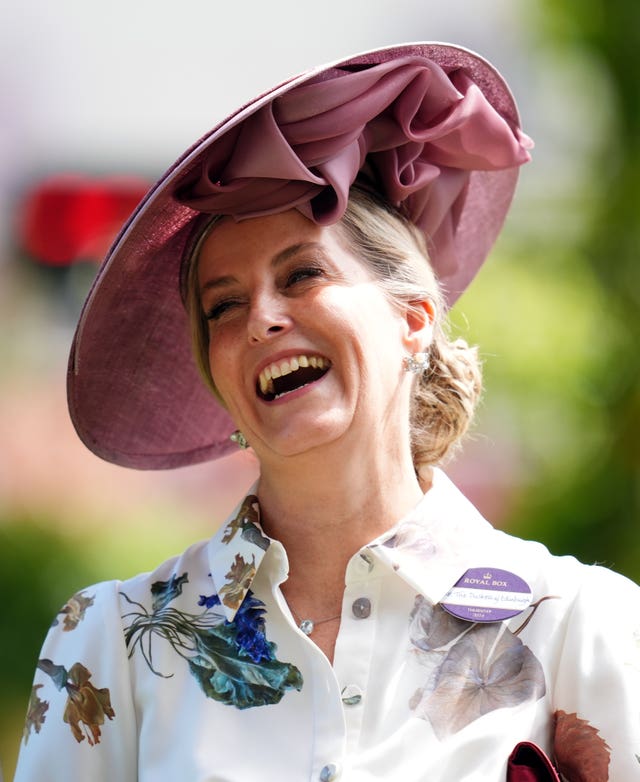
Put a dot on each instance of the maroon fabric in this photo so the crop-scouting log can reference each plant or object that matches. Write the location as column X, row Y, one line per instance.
column 410, row 130
column 430, row 126
column 528, row 763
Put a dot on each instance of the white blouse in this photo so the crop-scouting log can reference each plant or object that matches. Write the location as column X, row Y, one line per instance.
column 198, row 672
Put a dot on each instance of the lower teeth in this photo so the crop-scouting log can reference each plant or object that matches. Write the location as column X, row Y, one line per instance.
column 284, row 393
column 277, row 387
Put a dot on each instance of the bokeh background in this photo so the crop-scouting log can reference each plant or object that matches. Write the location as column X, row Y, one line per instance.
column 96, row 100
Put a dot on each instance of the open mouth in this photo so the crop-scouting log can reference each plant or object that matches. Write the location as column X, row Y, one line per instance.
column 283, row 377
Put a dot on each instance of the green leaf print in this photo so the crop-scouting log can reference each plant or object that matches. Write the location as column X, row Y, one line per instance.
column 232, row 661
column 165, row 591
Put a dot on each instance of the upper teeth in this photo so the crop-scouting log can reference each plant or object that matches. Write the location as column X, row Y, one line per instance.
column 286, row 367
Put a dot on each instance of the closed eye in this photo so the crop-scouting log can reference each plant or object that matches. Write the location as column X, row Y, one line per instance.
column 303, row 273
column 220, row 308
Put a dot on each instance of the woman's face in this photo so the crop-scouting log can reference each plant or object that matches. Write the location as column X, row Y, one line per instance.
column 305, row 347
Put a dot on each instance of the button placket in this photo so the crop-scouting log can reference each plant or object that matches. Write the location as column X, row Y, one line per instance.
column 356, row 641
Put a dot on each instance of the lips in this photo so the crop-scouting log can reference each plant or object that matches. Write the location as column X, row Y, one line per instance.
column 283, row 377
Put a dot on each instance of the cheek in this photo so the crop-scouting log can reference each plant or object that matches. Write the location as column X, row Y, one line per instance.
column 351, row 305
column 220, row 368
column 378, row 322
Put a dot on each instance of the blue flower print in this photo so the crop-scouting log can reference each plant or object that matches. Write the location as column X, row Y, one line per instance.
column 233, row 662
column 249, row 625
column 250, row 629
column 209, row 601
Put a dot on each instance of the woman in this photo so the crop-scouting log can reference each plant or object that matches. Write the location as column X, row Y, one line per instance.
column 355, row 618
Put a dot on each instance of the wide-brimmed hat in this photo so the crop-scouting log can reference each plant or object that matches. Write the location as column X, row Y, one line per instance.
column 432, row 128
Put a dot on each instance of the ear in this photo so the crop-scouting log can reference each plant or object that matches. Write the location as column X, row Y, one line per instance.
column 419, row 317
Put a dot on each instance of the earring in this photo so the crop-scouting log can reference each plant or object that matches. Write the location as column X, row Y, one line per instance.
column 417, row 363
column 239, row 439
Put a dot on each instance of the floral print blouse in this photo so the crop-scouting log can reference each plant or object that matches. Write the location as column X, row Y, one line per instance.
column 198, row 671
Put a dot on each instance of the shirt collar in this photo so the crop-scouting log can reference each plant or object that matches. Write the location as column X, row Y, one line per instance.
column 236, row 552
column 441, row 538
column 430, row 548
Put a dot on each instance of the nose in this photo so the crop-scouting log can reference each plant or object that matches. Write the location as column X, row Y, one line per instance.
column 268, row 317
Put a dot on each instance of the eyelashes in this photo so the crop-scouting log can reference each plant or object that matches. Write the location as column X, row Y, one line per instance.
column 294, row 278
column 303, row 273
column 220, row 308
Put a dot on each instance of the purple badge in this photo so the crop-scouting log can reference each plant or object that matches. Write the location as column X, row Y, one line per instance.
column 487, row 595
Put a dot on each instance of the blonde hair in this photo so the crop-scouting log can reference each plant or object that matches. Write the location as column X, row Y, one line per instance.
column 198, row 324
column 446, row 394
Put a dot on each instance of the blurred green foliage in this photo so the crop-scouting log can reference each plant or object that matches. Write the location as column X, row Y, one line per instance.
column 563, row 318
column 40, row 568
column 596, row 513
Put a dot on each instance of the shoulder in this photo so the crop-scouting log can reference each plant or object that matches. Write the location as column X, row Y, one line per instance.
column 184, row 576
column 579, row 585
column 606, row 605
column 86, row 650
column 565, row 573
column 90, row 622
column 592, row 582
column 584, row 606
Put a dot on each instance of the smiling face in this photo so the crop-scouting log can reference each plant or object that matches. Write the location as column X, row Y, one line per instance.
column 304, row 346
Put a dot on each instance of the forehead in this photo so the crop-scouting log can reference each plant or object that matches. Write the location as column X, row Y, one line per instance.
column 232, row 246
column 229, row 238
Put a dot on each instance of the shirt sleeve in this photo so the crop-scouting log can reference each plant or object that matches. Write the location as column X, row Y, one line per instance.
column 81, row 721
column 597, row 691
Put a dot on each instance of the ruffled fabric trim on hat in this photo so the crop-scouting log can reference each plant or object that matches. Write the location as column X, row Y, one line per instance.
column 412, row 130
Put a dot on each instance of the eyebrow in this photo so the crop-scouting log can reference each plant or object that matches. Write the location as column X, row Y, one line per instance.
column 277, row 260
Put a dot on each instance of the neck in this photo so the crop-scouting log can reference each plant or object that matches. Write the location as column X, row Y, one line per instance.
column 319, row 502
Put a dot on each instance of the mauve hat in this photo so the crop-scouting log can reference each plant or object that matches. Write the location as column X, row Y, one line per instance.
column 433, row 128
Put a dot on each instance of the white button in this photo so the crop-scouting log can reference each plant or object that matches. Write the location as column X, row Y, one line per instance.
column 351, row 695
column 330, row 772
column 361, row 608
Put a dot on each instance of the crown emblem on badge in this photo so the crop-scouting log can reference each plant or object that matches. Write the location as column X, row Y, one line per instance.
column 487, row 575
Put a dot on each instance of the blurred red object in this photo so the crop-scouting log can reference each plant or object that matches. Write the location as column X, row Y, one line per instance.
column 69, row 218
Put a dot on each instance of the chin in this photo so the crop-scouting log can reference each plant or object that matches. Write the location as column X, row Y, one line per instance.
column 304, row 439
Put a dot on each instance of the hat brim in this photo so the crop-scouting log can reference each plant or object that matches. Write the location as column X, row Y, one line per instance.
column 134, row 393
